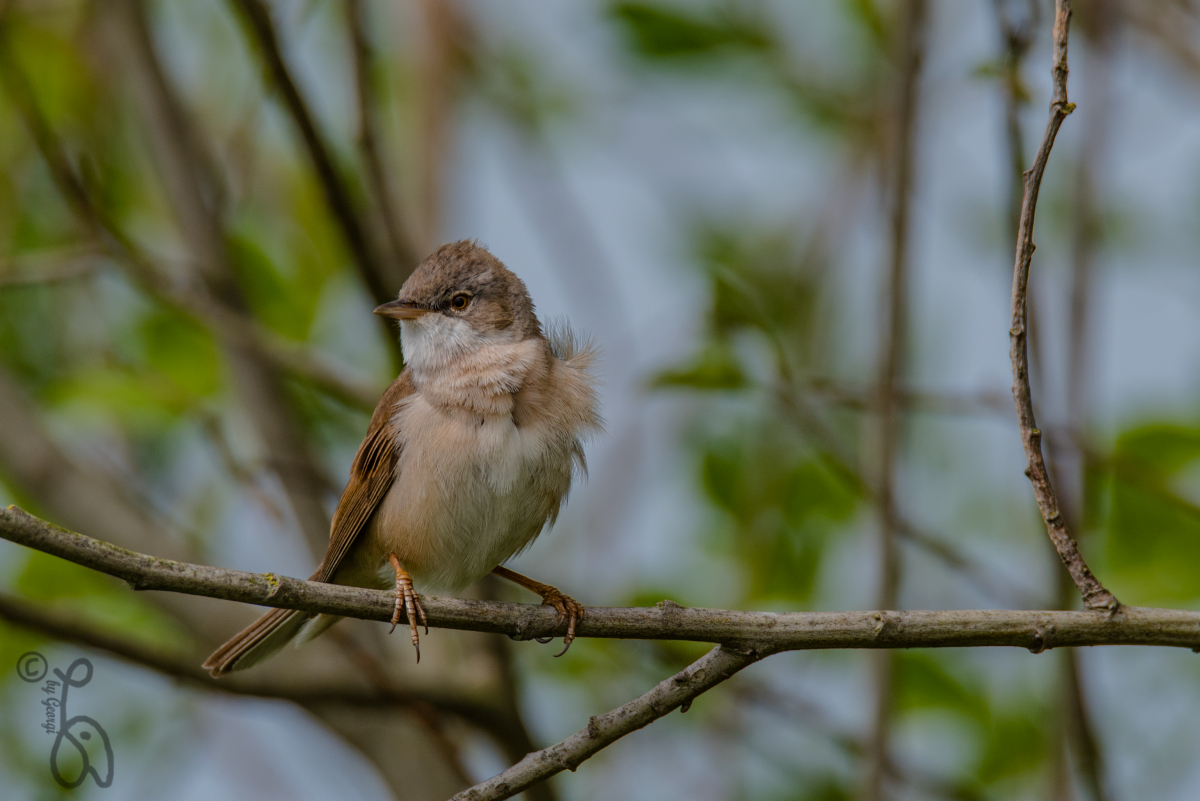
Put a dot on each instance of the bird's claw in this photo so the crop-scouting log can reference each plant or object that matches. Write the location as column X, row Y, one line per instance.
column 406, row 598
column 569, row 610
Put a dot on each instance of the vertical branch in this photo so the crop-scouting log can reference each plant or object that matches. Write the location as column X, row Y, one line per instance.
column 893, row 349
column 1081, row 732
column 1095, row 596
column 1017, row 35
column 337, row 194
column 1067, row 451
column 517, row 742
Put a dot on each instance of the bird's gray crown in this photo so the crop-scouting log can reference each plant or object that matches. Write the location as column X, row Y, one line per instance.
column 497, row 298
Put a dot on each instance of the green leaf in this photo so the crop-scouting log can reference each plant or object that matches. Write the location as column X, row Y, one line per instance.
column 780, row 505
column 714, row 368
column 96, row 598
column 658, row 32
column 1016, row 744
column 182, row 351
column 922, row 682
column 1153, row 542
column 284, row 306
column 1161, row 448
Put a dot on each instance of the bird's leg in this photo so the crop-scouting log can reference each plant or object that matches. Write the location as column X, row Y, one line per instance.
column 412, row 604
column 568, row 608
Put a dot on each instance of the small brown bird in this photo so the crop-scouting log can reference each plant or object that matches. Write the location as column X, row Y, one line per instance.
column 469, row 454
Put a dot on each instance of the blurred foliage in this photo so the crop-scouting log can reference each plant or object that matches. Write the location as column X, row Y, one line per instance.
column 779, row 499
column 1011, row 741
column 781, row 505
column 839, row 94
column 1143, row 493
column 105, row 602
column 662, row 32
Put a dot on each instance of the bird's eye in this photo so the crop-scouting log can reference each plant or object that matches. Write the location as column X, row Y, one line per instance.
column 460, row 301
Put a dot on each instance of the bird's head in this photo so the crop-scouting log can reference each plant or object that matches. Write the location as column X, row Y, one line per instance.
column 459, row 299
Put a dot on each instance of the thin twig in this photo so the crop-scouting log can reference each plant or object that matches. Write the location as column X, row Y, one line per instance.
column 62, row 264
column 893, row 349
column 677, row 692
column 1017, row 34
column 1095, row 596
column 1069, row 454
column 788, row 631
column 984, row 403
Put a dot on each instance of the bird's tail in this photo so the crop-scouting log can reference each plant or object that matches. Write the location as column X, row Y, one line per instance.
column 261, row 640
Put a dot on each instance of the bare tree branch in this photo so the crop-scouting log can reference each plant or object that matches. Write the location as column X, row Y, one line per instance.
column 1017, row 34
column 602, row 731
column 1068, row 455
column 1033, row 630
column 984, row 403
column 743, row 637
column 1095, row 596
column 61, row 264
column 445, row 44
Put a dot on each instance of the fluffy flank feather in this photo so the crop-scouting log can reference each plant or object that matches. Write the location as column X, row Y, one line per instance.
column 581, row 352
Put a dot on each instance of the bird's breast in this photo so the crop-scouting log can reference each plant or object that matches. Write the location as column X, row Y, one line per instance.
column 470, row 491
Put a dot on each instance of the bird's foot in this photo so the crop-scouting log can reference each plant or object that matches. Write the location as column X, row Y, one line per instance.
column 406, row 598
column 568, row 609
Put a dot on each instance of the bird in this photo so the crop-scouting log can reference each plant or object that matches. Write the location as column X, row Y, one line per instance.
column 468, row 456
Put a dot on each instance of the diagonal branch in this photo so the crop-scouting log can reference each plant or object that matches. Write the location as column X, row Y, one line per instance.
column 677, row 692
column 403, row 250
column 382, row 283
column 1095, row 596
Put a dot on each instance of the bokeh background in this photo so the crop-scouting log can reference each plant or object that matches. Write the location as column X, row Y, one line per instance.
column 789, row 226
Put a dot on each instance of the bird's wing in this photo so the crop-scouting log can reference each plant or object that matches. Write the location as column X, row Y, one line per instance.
column 371, row 477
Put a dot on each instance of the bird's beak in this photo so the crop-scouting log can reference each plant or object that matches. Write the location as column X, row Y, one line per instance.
column 402, row 310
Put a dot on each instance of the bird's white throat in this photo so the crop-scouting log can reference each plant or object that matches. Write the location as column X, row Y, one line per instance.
column 435, row 340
